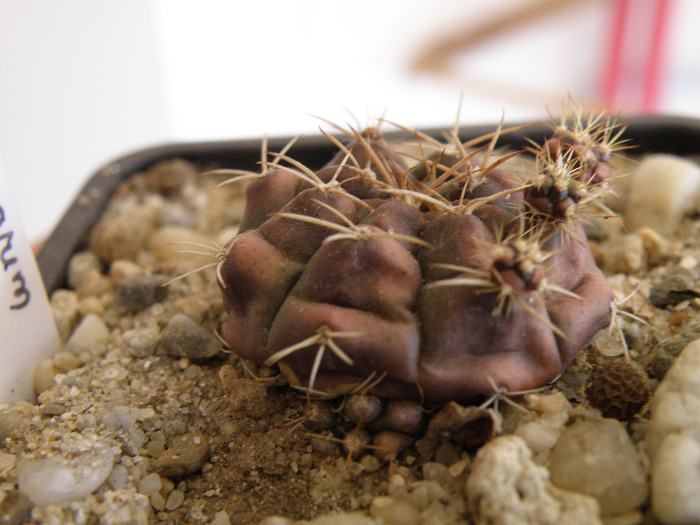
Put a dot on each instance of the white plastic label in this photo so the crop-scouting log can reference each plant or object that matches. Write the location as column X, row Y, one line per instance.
column 27, row 331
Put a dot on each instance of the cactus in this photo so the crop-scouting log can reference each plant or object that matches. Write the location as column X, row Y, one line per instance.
column 427, row 272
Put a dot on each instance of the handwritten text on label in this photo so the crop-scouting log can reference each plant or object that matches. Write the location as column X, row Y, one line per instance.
column 21, row 292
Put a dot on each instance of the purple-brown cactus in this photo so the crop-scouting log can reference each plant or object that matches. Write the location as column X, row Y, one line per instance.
column 432, row 274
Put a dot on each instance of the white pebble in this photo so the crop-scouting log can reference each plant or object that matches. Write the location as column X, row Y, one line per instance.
column 688, row 262
column 507, row 487
column 118, row 477
column 274, row 520
column 122, row 269
column 7, row 461
column 340, row 518
column 64, row 307
column 673, row 439
column 44, row 375
column 676, row 479
column 624, row 254
column 423, row 493
column 150, row 484
column 126, row 416
column 598, row 458
column 157, row 501
column 395, row 511
column 538, row 436
column 57, row 479
column 221, row 518
column 661, row 191
column 90, row 336
column 175, row 499
column 66, row 361
column 80, row 265
column 138, row 437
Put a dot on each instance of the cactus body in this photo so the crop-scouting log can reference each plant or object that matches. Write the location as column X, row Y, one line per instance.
column 432, row 276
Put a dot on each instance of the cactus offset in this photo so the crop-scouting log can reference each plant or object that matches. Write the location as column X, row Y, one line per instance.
column 432, row 275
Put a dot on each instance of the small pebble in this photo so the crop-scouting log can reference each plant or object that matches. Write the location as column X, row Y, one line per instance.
column 85, row 421
column 446, row 453
column 222, row 518
column 122, row 269
column 166, row 487
column 44, row 375
column 174, row 214
column 397, row 484
column 139, row 292
column 118, row 477
column 186, row 455
column 437, row 472
column 661, row 191
column 52, row 409
column 156, row 445
column 675, row 479
column 555, row 403
column 506, row 486
column 394, row 511
column 157, row 502
column 598, row 458
column 275, row 520
column 625, row 254
column 678, row 285
column 656, row 247
column 339, row 518
column 676, row 319
column 370, row 463
column 175, row 499
column 91, row 305
column 80, row 265
column 54, row 478
column 64, row 307
column 141, row 342
column 89, row 337
column 192, row 372
column 150, row 484
column 182, row 337
column 121, row 236
column 666, row 351
column 127, row 416
column 94, row 284
column 688, row 262
column 423, row 493
column 673, row 440
column 540, row 437
column 168, row 176
column 66, row 361
column 7, row 461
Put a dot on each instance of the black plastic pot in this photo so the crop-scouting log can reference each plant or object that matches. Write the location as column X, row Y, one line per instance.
column 648, row 134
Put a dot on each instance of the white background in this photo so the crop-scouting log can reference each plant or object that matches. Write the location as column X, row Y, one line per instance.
column 85, row 81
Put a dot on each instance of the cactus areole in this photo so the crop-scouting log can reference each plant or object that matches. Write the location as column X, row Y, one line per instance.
column 426, row 270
